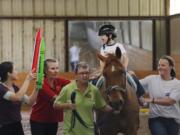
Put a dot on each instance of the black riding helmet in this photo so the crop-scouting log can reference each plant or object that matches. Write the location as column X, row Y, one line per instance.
column 107, row 30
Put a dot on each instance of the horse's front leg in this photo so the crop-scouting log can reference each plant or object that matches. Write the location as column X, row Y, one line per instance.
column 131, row 132
column 106, row 131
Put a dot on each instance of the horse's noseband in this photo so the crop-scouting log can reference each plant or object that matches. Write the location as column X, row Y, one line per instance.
column 115, row 88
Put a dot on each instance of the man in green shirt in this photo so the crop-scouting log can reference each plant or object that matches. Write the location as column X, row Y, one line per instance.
column 78, row 100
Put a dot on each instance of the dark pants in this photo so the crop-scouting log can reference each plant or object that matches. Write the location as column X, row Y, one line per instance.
column 163, row 126
column 38, row 128
column 140, row 90
column 12, row 129
column 73, row 65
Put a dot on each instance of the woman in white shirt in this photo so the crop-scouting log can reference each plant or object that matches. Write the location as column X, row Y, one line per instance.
column 164, row 96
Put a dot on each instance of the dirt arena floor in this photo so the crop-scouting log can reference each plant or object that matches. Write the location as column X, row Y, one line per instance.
column 142, row 131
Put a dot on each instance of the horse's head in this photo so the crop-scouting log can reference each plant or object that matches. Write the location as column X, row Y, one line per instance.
column 115, row 79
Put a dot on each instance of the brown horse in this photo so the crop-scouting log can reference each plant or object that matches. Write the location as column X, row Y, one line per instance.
column 120, row 96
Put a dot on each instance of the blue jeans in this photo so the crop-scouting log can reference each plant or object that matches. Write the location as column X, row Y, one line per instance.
column 140, row 90
column 163, row 126
column 73, row 65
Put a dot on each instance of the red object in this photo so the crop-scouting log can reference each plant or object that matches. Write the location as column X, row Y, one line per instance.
column 36, row 50
column 42, row 110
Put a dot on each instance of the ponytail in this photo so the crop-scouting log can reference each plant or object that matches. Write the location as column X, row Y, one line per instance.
column 173, row 73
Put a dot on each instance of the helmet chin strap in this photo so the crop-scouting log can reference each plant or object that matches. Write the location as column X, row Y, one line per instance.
column 109, row 39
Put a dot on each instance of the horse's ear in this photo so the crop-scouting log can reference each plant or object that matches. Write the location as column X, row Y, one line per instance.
column 118, row 52
column 102, row 58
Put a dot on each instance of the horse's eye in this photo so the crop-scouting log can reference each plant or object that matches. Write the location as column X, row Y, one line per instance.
column 123, row 72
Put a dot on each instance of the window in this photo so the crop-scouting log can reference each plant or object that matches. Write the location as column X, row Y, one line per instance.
column 174, row 7
column 135, row 35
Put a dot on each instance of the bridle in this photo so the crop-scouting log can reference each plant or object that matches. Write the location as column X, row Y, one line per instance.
column 119, row 88
column 115, row 87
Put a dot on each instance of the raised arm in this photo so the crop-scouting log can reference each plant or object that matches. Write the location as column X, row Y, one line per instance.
column 23, row 89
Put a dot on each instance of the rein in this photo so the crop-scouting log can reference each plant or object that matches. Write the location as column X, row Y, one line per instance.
column 75, row 114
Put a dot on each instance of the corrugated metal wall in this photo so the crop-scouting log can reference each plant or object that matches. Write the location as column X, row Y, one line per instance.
column 17, row 39
column 82, row 7
column 175, row 41
column 17, row 35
